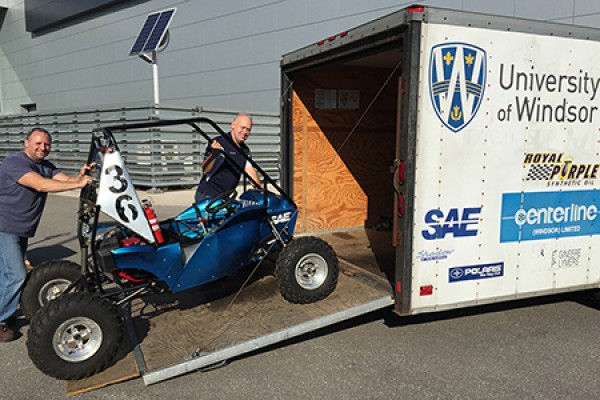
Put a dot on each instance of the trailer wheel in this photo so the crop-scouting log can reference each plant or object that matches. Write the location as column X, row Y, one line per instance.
column 45, row 283
column 75, row 336
column 307, row 270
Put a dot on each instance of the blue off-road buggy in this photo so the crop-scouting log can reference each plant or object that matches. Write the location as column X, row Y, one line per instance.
column 76, row 311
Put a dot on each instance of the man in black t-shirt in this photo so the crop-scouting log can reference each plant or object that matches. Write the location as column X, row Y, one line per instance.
column 223, row 173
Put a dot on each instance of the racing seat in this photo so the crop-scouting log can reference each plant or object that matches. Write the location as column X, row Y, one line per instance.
column 188, row 225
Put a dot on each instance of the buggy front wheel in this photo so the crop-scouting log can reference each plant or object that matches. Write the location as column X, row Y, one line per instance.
column 75, row 336
column 307, row 270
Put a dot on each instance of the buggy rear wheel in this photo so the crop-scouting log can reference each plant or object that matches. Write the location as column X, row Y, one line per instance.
column 307, row 270
column 45, row 283
column 75, row 336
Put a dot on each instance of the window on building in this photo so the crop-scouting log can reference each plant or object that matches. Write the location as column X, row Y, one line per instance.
column 32, row 107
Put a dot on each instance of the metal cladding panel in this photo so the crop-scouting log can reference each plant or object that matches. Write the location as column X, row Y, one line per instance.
column 507, row 170
column 52, row 67
column 42, row 14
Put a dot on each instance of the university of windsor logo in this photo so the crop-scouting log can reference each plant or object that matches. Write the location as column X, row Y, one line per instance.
column 457, row 76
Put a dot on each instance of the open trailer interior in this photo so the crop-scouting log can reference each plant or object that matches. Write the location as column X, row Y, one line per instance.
column 342, row 127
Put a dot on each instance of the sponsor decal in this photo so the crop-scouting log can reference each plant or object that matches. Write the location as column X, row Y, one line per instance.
column 565, row 258
column 248, row 203
column 457, row 80
column 281, row 218
column 456, row 222
column 473, row 272
column 556, row 169
column 548, row 215
column 436, row 255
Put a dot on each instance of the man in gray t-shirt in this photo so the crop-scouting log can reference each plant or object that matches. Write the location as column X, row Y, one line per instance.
column 26, row 178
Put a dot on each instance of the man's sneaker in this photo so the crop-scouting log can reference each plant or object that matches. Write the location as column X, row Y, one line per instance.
column 6, row 334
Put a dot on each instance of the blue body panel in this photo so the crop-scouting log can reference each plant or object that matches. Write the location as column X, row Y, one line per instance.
column 164, row 262
column 224, row 252
column 223, row 243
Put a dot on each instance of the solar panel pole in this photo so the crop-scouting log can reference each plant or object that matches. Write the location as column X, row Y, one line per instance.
column 149, row 41
column 155, row 79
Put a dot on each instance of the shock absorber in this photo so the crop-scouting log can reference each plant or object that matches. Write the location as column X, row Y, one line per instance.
column 153, row 220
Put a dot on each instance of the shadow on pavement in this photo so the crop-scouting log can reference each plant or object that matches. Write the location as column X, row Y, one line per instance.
column 53, row 252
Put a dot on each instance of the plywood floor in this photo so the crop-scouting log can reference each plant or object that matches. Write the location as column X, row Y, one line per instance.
column 365, row 248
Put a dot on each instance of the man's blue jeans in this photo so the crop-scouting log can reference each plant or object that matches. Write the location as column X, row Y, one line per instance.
column 12, row 272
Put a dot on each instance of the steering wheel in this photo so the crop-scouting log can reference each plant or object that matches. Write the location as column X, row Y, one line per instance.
column 222, row 201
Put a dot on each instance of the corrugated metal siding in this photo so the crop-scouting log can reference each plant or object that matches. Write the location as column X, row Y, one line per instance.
column 222, row 54
column 159, row 158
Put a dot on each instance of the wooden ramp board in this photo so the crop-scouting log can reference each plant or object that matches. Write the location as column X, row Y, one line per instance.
column 182, row 340
column 124, row 369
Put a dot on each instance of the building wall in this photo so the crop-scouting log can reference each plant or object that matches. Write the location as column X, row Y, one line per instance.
column 222, row 54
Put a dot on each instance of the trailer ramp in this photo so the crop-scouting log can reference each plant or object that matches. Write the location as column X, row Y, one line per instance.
column 172, row 335
column 184, row 340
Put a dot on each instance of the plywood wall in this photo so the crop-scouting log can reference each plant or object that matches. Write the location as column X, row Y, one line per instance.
column 342, row 175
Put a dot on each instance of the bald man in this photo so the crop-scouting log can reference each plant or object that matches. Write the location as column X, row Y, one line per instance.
column 220, row 173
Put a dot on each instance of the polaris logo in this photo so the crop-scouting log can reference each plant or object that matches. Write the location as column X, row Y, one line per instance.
column 474, row 272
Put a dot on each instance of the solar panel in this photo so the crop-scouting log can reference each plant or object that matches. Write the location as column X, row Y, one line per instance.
column 138, row 46
column 153, row 31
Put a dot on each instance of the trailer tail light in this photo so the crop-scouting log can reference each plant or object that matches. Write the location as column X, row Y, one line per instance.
column 398, row 287
column 401, row 205
column 426, row 290
column 416, row 9
column 400, row 173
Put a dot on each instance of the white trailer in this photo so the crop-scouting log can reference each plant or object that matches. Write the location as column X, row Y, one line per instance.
column 491, row 127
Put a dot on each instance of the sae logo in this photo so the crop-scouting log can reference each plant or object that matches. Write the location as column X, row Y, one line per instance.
column 457, row 76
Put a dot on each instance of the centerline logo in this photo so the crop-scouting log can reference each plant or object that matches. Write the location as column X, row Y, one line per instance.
column 546, row 215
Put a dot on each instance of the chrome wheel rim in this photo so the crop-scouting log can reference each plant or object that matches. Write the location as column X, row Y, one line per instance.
column 77, row 339
column 311, row 271
column 52, row 289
